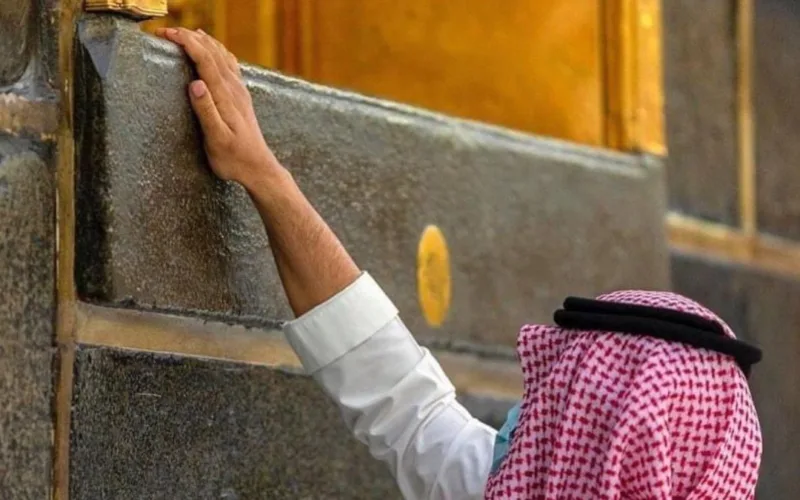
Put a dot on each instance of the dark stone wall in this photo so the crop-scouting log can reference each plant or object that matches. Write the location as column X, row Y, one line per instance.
column 27, row 306
column 15, row 39
column 761, row 308
column 700, row 92
column 27, row 247
column 161, row 427
column 701, row 78
column 527, row 221
column 777, row 107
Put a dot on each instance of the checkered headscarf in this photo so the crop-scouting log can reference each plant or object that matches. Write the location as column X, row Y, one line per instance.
column 617, row 416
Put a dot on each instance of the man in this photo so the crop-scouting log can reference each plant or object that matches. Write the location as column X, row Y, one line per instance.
column 662, row 411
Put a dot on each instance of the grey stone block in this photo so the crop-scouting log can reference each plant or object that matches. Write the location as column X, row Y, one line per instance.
column 26, row 428
column 159, row 427
column 528, row 221
column 27, row 307
column 777, row 115
column 761, row 308
column 15, row 46
column 700, row 87
column 490, row 410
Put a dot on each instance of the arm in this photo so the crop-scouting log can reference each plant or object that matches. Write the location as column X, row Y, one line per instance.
column 393, row 395
column 312, row 263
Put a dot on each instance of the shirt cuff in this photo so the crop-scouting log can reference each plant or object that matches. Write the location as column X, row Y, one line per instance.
column 338, row 325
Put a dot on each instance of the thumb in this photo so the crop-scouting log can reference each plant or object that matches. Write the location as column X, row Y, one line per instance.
column 213, row 126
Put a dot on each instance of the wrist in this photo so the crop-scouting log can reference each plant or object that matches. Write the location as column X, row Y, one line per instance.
column 268, row 180
column 267, row 171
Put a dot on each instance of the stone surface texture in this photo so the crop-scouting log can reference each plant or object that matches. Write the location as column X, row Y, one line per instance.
column 700, row 87
column 27, row 246
column 761, row 308
column 27, row 306
column 527, row 221
column 159, row 427
column 15, row 46
column 777, row 116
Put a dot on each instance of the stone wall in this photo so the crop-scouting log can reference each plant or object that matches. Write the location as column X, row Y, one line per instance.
column 159, row 426
column 527, row 222
column 700, row 95
column 761, row 307
column 27, row 306
column 777, row 117
column 28, row 118
column 733, row 179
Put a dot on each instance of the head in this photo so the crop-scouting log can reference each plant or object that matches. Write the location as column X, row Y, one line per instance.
column 612, row 415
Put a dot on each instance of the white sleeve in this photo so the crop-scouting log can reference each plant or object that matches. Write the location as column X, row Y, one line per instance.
column 393, row 395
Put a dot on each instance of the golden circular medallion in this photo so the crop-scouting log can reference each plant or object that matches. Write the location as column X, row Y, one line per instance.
column 433, row 276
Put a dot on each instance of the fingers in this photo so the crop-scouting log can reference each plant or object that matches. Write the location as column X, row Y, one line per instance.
column 206, row 64
column 187, row 39
column 224, row 56
column 219, row 53
column 233, row 62
column 230, row 67
column 227, row 65
column 215, row 65
column 214, row 127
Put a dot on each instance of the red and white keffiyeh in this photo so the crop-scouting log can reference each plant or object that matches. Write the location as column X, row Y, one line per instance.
column 615, row 416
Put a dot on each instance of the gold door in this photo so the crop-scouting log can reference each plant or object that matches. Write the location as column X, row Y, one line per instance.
column 587, row 71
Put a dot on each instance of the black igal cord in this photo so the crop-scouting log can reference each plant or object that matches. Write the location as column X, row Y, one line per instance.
column 666, row 324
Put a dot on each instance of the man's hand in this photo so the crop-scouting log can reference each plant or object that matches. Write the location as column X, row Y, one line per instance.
column 313, row 265
column 234, row 144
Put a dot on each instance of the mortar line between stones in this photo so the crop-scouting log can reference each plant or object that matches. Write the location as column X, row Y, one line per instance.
column 65, row 254
column 195, row 337
column 703, row 238
column 744, row 110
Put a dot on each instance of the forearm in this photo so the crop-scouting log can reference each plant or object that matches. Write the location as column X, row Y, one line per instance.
column 312, row 263
column 392, row 393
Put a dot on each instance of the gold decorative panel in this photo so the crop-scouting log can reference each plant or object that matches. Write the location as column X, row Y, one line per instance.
column 136, row 8
column 530, row 65
column 247, row 27
column 634, row 76
column 207, row 15
column 587, row 71
column 251, row 31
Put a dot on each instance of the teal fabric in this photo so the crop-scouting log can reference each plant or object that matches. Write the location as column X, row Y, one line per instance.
column 503, row 440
